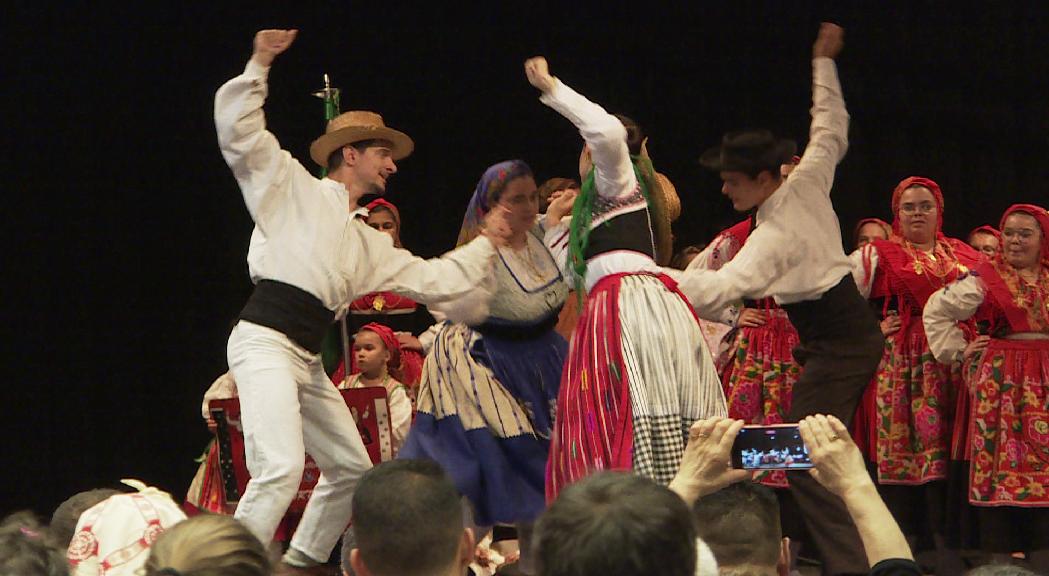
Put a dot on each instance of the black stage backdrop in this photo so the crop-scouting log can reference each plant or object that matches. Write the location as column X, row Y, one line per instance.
column 129, row 233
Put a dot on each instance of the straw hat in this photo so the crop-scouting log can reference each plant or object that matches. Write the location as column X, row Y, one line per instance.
column 356, row 126
column 665, row 208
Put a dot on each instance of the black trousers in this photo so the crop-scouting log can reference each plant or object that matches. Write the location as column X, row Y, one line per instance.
column 839, row 351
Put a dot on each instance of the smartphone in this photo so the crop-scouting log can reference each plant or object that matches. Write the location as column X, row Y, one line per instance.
column 776, row 447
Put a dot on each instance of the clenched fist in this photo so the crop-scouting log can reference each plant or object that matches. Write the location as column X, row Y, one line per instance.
column 538, row 73
column 269, row 43
column 829, row 41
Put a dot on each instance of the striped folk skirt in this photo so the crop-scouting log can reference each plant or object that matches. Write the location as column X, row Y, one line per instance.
column 638, row 376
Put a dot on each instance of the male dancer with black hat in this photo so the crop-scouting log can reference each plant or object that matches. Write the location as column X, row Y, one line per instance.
column 795, row 255
column 310, row 255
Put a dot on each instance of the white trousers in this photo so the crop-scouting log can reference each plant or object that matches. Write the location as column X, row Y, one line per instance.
column 289, row 407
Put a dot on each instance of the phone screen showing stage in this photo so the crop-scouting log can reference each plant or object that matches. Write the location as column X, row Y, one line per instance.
column 770, row 448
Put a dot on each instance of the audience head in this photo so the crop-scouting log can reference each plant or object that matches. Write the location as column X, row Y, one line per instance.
column 917, row 209
column 1025, row 236
column 208, row 545
column 741, row 525
column 386, row 218
column 616, row 523
column 65, row 517
column 869, row 230
column 408, row 521
column 1000, row 570
column 553, row 188
column 751, row 164
column 118, row 532
column 26, row 550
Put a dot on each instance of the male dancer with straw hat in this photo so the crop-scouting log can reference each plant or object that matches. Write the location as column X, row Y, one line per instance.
column 309, row 256
column 794, row 254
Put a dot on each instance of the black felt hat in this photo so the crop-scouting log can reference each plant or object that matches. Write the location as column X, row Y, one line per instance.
column 749, row 151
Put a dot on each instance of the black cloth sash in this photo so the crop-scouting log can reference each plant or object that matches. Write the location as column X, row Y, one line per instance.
column 515, row 331
column 839, row 314
column 290, row 310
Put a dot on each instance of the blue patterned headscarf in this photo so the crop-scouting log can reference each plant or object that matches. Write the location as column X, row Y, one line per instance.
column 491, row 185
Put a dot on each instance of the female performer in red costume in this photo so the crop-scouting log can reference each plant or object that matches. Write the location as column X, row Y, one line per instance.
column 1008, row 422
column 907, row 410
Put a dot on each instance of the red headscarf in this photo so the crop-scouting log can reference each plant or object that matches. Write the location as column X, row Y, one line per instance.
column 986, row 230
column 389, row 339
column 912, row 182
column 1041, row 216
column 859, row 225
column 381, row 203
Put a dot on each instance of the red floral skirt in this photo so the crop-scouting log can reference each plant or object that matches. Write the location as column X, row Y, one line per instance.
column 759, row 377
column 1009, row 425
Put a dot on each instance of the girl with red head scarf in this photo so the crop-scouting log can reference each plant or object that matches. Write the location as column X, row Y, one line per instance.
column 905, row 417
column 377, row 353
column 1008, row 421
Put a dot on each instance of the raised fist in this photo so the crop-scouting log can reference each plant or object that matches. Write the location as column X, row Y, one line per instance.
column 269, row 43
column 538, row 73
column 829, row 41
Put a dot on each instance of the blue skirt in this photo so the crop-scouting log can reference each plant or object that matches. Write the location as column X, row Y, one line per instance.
column 485, row 411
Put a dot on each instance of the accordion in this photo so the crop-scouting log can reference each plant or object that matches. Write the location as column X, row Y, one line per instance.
column 370, row 410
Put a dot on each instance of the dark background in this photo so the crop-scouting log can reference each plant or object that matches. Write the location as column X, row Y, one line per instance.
column 129, row 233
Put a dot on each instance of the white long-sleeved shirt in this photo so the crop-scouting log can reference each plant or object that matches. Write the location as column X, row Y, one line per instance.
column 305, row 232
column 614, row 181
column 795, row 253
column 943, row 311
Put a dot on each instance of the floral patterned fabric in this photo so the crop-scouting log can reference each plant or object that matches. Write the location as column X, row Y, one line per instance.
column 1009, row 425
column 759, row 377
column 911, row 407
column 914, row 406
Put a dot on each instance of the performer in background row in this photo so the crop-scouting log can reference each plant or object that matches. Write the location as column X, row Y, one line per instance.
column 908, row 409
column 310, row 256
column 986, row 239
column 1008, row 421
column 794, row 254
column 638, row 373
column 407, row 318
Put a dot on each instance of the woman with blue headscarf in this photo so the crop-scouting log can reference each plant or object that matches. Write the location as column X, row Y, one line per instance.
column 490, row 381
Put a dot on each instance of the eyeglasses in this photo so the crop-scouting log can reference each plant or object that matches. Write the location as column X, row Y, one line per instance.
column 1024, row 234
column 924, row 208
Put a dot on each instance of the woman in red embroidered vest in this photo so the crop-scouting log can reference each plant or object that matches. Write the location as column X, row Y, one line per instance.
column 910, row 403
column 403, row 315
column 1008, row 422
column 757, row 370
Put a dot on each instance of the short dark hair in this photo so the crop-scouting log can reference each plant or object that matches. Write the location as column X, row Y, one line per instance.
column 999, row 569
column 635, row 136
column 66, row 516
column 26, row 549
column 407, row 518
column 335, row 158
column 741, row 525
column 616, row 523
